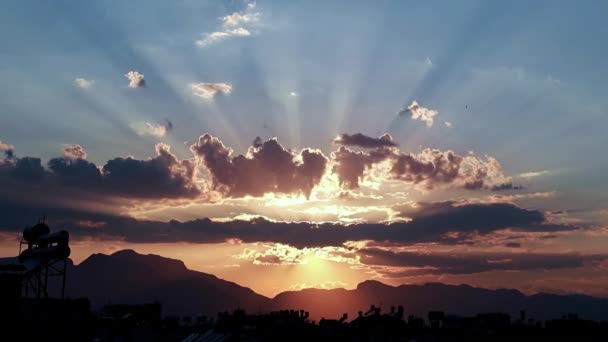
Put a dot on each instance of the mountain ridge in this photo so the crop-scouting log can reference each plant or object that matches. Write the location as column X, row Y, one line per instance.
column 182, row 291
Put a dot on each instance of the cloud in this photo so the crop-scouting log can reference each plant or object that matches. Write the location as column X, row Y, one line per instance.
column 83, row 83
column 439, row 223
column 74, row 151
column 534, row 174
column 236, row 24
column 267, row 168
column 153, row 129
column 276, row 255
column 26, row 168
column 428, row 168
column 208, row 91
column 350, row 165
column 448, row 124
column 420, row 113
column 71, row 177
column 6, row 148
column 136, row 80
column 246, row 17
column 407, row 264
column 214, row 37
column 365, row 141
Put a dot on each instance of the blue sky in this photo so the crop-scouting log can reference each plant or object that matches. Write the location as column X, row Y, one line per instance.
column 523, row 82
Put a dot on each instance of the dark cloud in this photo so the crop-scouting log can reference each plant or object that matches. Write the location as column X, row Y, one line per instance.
column 430, row 167
column 417, row 263
column 483, row 218
column 506, row 186
column 431, row 223
column 364, row 141
column 267, row 168
column 74, row 151
column 163, row 176
column 168, row 125
column 26, row 168
column 351, row 165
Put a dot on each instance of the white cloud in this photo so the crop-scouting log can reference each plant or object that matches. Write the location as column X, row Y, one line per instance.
column 83, row 83
column 238, row 19
column 236, row 24
column 448, row 124
column 153, row 129
column 534, row 174
column 208, row 91
column 215, row 37
column 6, row 147
column 136, row 80
column 420, row 113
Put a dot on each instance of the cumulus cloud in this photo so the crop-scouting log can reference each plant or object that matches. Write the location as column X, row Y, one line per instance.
column 163, row 176
column 74, row 151
column 208, row 91
column 214, row 37
column 267, row 168
column 26, row 168
column 136, row 80
column 428, row 168
column 153, row 129
column 362, row 140
column 350, row 165
column 420, row 113
column 83, row 83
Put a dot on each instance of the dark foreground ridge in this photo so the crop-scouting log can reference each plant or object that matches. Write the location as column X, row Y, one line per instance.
column 132, row 296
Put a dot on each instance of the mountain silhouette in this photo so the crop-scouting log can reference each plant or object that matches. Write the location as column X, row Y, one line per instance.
column 127, row 277
column 461, row 300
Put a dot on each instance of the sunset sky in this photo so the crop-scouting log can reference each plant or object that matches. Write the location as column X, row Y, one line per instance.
column 285, row 145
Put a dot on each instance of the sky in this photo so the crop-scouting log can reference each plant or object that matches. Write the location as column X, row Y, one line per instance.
column 287, row 145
